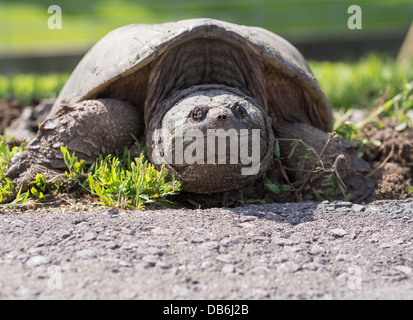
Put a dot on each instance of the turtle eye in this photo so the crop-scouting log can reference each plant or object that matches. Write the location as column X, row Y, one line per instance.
column 198, row 113
column 239, row 111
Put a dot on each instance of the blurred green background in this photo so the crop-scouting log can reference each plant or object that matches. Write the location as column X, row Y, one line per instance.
column 24, row 30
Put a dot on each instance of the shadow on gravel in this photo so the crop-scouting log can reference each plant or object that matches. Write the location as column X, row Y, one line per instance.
column 292, row 213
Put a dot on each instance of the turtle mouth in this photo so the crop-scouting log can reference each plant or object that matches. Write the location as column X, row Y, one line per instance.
column 215, row 147
column 221, row 160
column 239, row 148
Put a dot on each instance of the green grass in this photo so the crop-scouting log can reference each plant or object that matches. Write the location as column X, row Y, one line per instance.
column 23, row 23
column 30, row 87
column 359, row 84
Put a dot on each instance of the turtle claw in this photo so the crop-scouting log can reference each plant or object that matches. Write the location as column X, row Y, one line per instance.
column 18, row 165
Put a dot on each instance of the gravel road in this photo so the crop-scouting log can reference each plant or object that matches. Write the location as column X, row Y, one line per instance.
column 279, row 251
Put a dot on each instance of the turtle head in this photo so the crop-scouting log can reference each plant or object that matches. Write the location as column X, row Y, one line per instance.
column 213, row 141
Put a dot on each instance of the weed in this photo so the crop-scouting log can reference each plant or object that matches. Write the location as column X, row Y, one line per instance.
column 122, row 182
column 275, row 188
column 331, row 178
column 6, row 186
column 40, row 187
column 21, row 197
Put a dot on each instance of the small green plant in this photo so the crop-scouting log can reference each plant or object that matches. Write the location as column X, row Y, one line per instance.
column 122, row 182
column 6, row 186
column 275, row 188
column 40, row 187
column 21, row 197
column 331, row 177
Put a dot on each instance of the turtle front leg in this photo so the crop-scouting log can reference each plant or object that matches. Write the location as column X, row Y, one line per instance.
column 88, row 129
column 337, row 154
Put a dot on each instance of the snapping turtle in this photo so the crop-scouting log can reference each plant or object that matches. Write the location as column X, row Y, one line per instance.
column 208, row 97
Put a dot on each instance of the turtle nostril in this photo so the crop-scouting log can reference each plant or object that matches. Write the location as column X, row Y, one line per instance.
column 222, row 117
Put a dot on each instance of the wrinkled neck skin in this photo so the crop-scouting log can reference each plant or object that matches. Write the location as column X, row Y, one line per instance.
column 213, row 138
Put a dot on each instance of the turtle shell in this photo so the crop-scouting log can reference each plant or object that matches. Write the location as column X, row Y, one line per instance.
column 122, row 66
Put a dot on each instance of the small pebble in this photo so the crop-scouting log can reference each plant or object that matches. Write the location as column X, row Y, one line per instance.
column 65, row 235
column 38, row 261
column 338, row 232
column 246, row 225
column 225, row 258
column 228, row 268
column 89, row 236
column 210, row 245
column 405, row 269
column 231, row 241
column 358, row 208
column 197, row 240
column 112, row 245
column 385, row 245
column 163, row 265
column 17, row 223
column 311, row 266
column 260, row 270
column 86, row 254
column 341, row 257
column 150, row 260
column 318, row 250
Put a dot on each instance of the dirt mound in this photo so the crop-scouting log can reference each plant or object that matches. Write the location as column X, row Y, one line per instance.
column 391, row 156
column 391, row 186
column 395, row 145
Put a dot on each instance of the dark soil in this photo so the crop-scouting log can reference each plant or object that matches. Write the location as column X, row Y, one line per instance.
column 392, row 162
